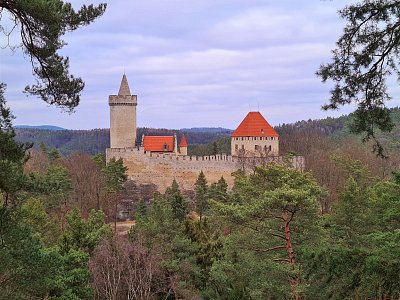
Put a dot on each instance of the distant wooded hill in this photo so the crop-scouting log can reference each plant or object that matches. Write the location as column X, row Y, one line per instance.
column 207, row 141
column 97, row 140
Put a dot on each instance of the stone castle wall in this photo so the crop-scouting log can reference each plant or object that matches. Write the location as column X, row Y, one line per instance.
column 265, row 144
column 161, row 169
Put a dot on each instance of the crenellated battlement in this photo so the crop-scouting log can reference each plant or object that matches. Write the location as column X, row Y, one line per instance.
column 298, row 161
column 161, row 168
column 255, row 141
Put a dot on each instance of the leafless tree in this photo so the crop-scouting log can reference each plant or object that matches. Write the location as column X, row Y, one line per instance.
column 88, row 183
column 124, row 270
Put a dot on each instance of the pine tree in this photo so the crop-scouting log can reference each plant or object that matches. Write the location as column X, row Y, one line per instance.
column 365, row 56
column 42, row 24
column 219, row 191
column 141, row 209
column 275, row 218
column 201, row 195
column 178, row 203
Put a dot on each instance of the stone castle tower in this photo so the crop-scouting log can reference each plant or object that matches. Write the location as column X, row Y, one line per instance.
column 123, row 117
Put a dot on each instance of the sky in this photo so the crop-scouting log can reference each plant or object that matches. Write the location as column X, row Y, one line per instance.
column 197, row 63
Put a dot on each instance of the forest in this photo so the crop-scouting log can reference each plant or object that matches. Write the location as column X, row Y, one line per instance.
column 331, row 232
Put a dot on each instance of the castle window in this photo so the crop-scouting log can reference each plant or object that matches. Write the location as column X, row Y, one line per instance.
column 256, row 147
column 262, row 131
column 165, row 147
column 236, row 147
column 242, row 147
column 270, row 148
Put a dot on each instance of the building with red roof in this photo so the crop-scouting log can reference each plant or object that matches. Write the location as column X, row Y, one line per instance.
column 254, row 137
column 183, row 146
column 158, row 143
column 164, row 144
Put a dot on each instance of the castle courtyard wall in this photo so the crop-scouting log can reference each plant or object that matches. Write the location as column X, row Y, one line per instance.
column 161, row 169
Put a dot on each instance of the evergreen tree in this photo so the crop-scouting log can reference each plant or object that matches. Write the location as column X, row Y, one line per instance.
column 83, row 234
column 201, row 195
column 53, row 154
column 115, row 174
column 42, row 24
column 165, row 236
column 214, row 148
column 141, row 209
column 357, row 253
column 274, row 220
column 12, row 155
column 33, row 213
column 365, row 56
column 178, row 203
column 219, row 191
column 28, row 270
column 57, row 185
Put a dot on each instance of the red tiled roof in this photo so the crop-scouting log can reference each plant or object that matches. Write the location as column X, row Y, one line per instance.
column 156, row 143
column 183, row 141
column 254, row 124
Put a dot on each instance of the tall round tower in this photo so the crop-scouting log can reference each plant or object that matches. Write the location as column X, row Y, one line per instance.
column 123, row 117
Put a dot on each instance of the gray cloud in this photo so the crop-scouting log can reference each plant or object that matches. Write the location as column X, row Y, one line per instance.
column 194, row 63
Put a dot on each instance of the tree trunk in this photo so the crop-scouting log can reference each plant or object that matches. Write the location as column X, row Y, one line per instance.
column 294, row 282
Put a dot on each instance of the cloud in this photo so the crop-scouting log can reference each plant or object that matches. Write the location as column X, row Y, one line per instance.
column 193, row 63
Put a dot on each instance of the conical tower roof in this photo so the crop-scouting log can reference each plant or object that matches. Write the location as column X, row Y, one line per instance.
column 183, row 142
column 124, row 88
column 253, row 125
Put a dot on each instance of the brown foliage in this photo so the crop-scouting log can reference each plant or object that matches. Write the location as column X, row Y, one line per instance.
column 88, row 183
column 124, row 270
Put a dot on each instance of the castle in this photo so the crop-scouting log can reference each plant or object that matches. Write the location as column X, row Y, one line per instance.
column 158, row 160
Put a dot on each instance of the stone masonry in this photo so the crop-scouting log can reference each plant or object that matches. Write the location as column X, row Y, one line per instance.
column 161, row 169
column 145, row 167
column 123, row 117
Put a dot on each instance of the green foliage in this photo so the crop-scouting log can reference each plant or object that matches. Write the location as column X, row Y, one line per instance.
column 100, row 160
column 178, row 203
column 219, row 145
column 57, row 184
column 350, row 214
column 53, row 154
column 6, row 116
column 115, row 175
column 81, row 234
column 219, row 191
column 141, row 209
column 363, row 59
column 272, row 199
column 24, row 266
column 207, row 245
column 72, row 279
column 201, row 195
column 28, row 270
column 34, row 215
column 165, row 235
column 42, row 24
column 359, row 251
column 12, row 154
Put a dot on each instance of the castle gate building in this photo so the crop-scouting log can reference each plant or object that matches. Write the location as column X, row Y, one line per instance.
column 254, row 137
